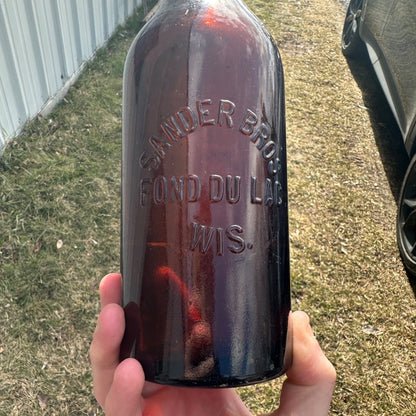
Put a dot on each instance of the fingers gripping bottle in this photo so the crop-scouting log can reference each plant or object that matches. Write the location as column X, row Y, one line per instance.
column 205, row 256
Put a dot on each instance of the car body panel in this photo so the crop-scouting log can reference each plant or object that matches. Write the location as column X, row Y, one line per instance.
column 393, row 55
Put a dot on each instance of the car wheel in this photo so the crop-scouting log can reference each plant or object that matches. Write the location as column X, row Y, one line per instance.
column 406, row 219
column 351, row 43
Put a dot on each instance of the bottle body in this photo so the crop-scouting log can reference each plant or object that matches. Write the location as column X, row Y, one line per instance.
column 205, row 259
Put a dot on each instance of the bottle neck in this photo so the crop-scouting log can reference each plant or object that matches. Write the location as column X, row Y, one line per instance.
column 198, row 3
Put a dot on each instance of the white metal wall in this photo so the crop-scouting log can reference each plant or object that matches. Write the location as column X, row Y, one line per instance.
column 43, row 47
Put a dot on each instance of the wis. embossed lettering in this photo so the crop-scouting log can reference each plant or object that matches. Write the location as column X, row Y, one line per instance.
column 208, row 237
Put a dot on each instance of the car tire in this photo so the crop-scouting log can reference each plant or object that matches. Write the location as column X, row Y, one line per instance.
column 351, row 44
column 406, row 219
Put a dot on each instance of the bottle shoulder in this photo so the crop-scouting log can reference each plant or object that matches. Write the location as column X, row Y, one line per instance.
column 182, row 25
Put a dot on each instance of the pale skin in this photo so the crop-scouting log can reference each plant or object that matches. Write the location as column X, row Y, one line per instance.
column 121, row 390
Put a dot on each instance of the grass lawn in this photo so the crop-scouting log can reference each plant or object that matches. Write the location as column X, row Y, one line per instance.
column 59, row 228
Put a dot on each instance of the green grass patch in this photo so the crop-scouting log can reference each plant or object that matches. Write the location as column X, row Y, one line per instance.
column 59, row 234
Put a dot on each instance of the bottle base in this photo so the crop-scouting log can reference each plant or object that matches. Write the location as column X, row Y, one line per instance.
column 217, row 382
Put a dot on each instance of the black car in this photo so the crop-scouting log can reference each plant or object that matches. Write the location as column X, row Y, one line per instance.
column 386, row 29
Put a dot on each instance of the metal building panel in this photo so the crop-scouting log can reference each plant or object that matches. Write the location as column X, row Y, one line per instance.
column 43, row 46
column 99, row 16
column 10, row 70
column 28, row 56
column 71, row 43
column 49, row 50
column 84, row 28
column 11, row 97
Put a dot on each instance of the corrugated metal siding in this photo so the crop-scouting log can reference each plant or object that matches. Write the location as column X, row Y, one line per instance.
column 43, row 46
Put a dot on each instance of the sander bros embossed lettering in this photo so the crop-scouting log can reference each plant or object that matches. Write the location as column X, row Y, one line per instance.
column 186, row 120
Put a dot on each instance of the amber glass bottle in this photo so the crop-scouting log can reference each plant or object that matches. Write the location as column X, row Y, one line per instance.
column 205, row 258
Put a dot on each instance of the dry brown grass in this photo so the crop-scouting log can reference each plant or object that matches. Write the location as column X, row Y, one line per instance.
column 344, row 170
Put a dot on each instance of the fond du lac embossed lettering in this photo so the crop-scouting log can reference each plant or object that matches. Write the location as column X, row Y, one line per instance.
column 162, row 190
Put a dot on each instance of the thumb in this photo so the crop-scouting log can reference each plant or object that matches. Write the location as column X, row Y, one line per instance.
column 125, row 395
column 311, row 379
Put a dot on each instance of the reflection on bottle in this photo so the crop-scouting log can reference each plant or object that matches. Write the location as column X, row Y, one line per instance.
column 131, row 332
column 197, row 346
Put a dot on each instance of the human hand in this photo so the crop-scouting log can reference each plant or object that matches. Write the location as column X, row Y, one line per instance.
column 121, row 390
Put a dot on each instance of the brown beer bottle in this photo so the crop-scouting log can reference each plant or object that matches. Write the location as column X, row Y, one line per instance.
column 205, row 256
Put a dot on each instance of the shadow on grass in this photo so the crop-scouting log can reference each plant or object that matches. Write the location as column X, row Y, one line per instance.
column 386, row 131
column 387, row 134
column 412, row 282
